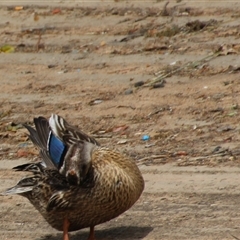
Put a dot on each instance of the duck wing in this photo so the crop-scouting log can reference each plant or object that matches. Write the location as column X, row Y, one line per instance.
column 39, row 137
column 40, row 176
column 63, row 147
column 61, row 128
column 27, row 183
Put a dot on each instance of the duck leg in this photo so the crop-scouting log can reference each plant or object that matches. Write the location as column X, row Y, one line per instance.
column 66, row 224
column 91, row 234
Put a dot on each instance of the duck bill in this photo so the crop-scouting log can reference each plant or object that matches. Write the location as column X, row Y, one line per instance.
column 73, row 177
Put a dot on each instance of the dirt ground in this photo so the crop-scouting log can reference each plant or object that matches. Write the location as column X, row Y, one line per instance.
column 121, row 70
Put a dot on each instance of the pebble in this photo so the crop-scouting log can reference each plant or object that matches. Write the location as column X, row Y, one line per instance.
column 128, row 92
column 138, row 84
column 123, row 141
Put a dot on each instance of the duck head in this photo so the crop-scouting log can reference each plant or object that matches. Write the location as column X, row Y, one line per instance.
column 77, row 162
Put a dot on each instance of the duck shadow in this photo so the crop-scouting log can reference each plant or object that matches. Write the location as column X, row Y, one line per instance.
column 115, row 233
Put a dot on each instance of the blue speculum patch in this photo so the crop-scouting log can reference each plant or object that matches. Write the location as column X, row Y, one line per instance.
column 57, row 150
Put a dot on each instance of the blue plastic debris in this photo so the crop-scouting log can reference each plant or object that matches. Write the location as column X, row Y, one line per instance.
column 145, row 137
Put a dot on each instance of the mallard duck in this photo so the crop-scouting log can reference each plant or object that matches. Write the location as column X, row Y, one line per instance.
column 78, row 183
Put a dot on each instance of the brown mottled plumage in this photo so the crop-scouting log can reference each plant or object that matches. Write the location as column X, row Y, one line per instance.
column 106, row 185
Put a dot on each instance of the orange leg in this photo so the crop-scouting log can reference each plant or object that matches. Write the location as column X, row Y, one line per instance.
column 91, row 234
column 66, row 224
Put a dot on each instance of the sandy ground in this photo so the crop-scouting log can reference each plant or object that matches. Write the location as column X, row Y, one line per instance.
column 100, row 66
